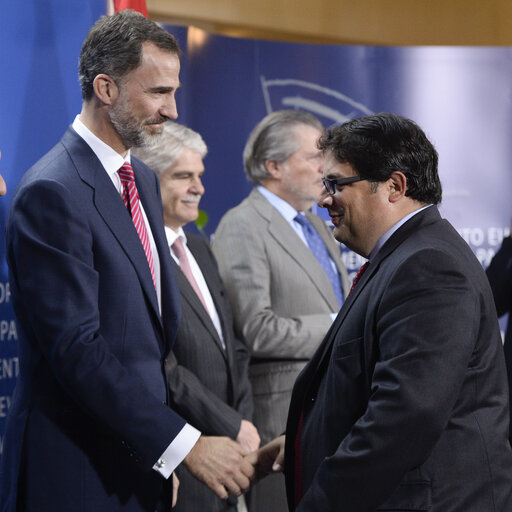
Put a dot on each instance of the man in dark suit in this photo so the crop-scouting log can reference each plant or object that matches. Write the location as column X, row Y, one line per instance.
column 207, row 369
column 97, row 303
column 499, row 273
column 404, row 406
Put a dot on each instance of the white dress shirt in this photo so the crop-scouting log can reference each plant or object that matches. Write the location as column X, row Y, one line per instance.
column 112, row 162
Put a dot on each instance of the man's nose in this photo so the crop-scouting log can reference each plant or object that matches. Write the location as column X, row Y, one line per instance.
column 169, row 109
column 197, row 186
column 325, row 199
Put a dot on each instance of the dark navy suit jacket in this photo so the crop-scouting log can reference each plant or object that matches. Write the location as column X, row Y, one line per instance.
column 89, row 415
column 405, row 403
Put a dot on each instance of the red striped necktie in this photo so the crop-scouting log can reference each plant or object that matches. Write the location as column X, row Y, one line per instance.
column 132, row 203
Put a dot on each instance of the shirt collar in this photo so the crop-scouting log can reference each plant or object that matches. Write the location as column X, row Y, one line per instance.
column 387, row 235
column 111, row 160
column 284, row 208
column 172, row 235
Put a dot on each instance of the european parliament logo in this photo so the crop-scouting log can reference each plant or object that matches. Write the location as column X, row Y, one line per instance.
column 329, row 105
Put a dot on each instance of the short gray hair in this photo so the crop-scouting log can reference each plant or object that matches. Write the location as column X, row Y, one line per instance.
column 166, row 149
column 273, row 139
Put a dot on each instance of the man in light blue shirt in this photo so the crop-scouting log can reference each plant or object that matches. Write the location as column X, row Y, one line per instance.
column 282, row 270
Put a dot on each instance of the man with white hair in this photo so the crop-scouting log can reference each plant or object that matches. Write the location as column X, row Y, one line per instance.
column 207, row 370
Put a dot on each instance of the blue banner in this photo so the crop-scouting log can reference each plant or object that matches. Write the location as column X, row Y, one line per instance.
column 40, row 42
column 462, row 98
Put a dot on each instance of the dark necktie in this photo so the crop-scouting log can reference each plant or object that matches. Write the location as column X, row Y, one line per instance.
column 132, row 203
column 318, row 248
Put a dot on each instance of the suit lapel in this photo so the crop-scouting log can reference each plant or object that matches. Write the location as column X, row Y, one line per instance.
column 427, row 216
column 110, row 206
column 193, row 300
column 290, row 243
column 206, row 261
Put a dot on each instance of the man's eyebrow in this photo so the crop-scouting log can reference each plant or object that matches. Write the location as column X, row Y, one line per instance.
column 163, row 89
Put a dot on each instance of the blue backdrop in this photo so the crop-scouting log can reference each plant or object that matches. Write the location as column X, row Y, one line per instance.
column 462, row 97
column 40, row 41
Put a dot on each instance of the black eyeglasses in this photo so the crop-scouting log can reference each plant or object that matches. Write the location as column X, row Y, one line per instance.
column 330, row 185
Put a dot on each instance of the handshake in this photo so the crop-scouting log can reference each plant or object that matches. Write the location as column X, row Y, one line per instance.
column 228, row 467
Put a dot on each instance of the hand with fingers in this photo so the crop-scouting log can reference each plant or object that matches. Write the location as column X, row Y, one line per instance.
column 175, row 486
column 268, row 459
column 248, row 437
column 219, row 462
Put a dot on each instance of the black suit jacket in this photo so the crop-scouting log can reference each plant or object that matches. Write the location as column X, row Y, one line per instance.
column 89, row 415
column 209, row 385
column 405, row 404
column 499, row 273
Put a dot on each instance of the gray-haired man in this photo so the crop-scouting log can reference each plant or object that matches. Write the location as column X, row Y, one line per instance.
column 207, row 370
column 282, row 269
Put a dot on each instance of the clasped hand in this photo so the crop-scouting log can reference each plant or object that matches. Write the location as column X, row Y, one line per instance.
column 268, row 459
column 226, row 468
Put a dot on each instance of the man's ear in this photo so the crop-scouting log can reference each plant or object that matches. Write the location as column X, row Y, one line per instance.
column 105, row 89
column 274, row 168
column 397, row 183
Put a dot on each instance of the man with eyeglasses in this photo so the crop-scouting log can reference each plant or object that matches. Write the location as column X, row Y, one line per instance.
column 404, row 406
column 282, row 270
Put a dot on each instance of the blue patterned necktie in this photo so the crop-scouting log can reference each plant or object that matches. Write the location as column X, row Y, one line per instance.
column 318, row 248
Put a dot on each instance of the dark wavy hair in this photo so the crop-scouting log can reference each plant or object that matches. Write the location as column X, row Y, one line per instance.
column 114, row 46
column 377, row 145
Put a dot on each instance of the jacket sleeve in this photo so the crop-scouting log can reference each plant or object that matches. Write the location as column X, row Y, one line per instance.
column 194, row 401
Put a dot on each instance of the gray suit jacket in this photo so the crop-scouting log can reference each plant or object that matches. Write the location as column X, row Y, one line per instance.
column 281, row 299
column 209, row 385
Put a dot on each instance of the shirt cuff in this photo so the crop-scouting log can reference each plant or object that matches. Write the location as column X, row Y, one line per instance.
column 177, row 450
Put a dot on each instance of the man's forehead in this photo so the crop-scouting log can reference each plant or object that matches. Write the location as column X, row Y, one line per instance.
column 155, row 57
column 332, row 168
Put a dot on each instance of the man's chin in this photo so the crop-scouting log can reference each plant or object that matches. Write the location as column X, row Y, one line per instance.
column 148, row 138
column 339, row 235
column 154, row 129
